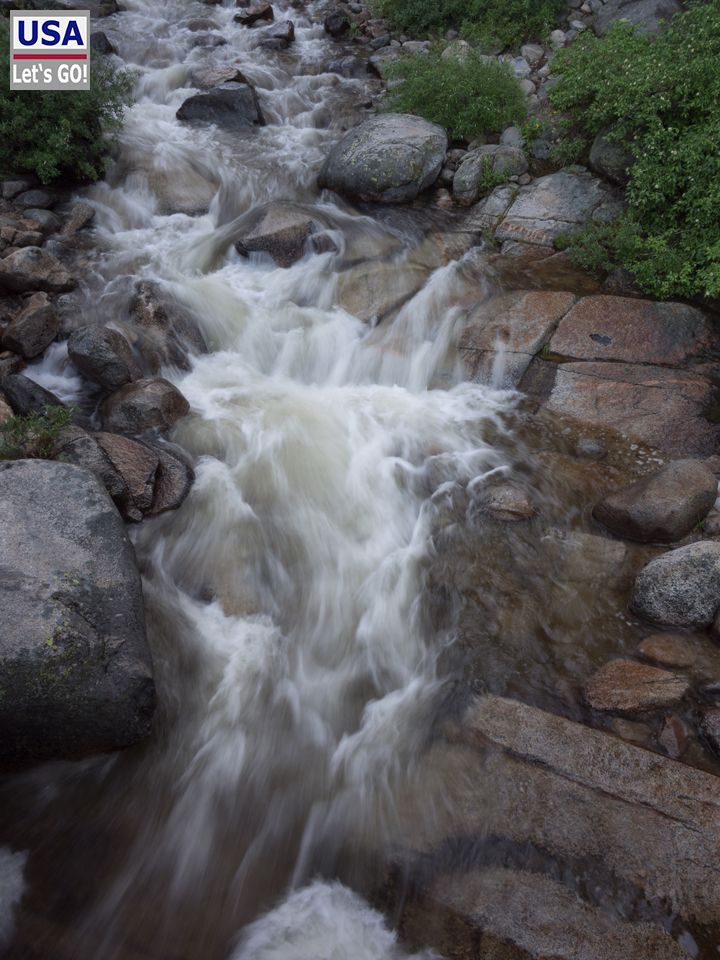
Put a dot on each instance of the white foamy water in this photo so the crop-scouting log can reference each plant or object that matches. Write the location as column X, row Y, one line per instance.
column 295, row 664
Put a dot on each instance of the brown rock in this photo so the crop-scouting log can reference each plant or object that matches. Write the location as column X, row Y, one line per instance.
column 32, row 268
column 174, row 478
column 75, row 445
column 6, row 412
column 507, row 503
column 10, row 363
column 630, row 330
column 628, row 687
column 516, row 323
column 654, row 405
column 137, row 465
column 282, row 230
column 168, row 331
column 630, row 730
column 370, row 291
column 263, row 12
column 663, row 507
column 667, row 649
column 144, row 405
column 673, row 737
column 103, row 355
column 214, row 76
column 710, row 728
column 81, row 215
column 34, row 328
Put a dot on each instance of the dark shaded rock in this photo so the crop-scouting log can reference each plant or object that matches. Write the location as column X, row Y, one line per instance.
column 390, row 158
column 352, row 67
column 104, row 356
column 144, row 405
column 681, row 588
column 631, row 330
column 710, row 729
column 9, row 189
column 168, row 330
column 174, row 478
column 48, row 221
column 663, row 507
column 137, row 464
column 216, row 76
column 647, row 15
column 261, row 13
column 478, row 164
column 76, row 446
column 76, row 673
column 610, row 160
column 10, row 363
column 35, row 198
column 26, row 396
column 81, row 216
column 283, row 230
column 337, row 25
column 278, row 37
column 33, row 329
column 99, row 43
column 32, row 269
column 673, row 737
column 231, row 106
column 629, row 688
column 667, row 649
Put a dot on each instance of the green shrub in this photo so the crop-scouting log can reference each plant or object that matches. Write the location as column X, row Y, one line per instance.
column 660, row 97
column 34, row 434
column 56, row 133
column 494, row 23
column 467, row 95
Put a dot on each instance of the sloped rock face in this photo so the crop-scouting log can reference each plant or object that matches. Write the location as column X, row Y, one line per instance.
column 663, row 507
column 230, row 105
column 76, row 673
column 283, row 230
column 681, row 588
column 630, row 688
column 390, row 158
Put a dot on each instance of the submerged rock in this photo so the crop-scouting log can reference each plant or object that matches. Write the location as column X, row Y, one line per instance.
column 667, row 649
column 103, row 355
column 390, row 158
column 663, row 507
column 76, row 672
column 629, row 688
column 168, row 330
column 681, row 588
column 230, row 105
column 144, row 405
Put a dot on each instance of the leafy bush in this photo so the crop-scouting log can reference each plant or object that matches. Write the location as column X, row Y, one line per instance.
column 494, row 23
column 467, row 95
column 57, row 133
column 660, row 97
column 34, row 434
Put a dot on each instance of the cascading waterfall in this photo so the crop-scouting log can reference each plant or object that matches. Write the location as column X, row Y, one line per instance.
column 295, row 664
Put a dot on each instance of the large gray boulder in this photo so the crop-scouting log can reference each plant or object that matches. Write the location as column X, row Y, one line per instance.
column 103, row 355
column 663, row 507
column 231, row 106
column 647, row 15
column 681, row 588
column 390, row 158
column 75, row 668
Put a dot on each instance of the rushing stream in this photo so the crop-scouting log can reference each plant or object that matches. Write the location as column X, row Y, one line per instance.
column 295, row 666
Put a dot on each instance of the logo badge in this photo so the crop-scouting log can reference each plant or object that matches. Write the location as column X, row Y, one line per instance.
column 50, row 50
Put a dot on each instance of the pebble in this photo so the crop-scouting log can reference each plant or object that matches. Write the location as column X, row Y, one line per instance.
column 673, row 737
column 667, row 649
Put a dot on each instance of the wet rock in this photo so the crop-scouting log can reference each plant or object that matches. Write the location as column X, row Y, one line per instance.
column 137, row 464
column 216, row 76
column 352, row 67
column 631, row 330
column 33, row 329
column 673, row 737
column 32, row 268
column 99, row 43
column 631, row 730
column 663, row 507
column 76, row 668
column 680, row 588
column 104, row 356
column 231, row 106
column 390, row 158
column 496, row 912
column 557, row 204
column 261, row 13
column 710, row 729
column 283, row 230
column 48, row 221
column 647, row 15
column 173, row 480
column 503, row 334
column 488, row 160
column 337, row 25
column 19, row 232
column 667, row 649
column 380, row 61
column 25, row 396
column 508, row 503
column 610, row 160
column 591, row 448
column 371, row 291
column 168, row 330
column 278, row 37
column 658, row 406
column 9, row 189
column 81, row 216
column 77, row 446
column 35, row 198
column 628, row 687
column 144, row 405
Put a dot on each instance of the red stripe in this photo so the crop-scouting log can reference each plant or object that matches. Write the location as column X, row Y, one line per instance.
column 50, row 56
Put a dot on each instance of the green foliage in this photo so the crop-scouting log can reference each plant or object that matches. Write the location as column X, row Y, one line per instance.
column 660, row 97
column 489, row 178
column 497, row 24
column 467, row 95
column 34, row 434
column 56, row 133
